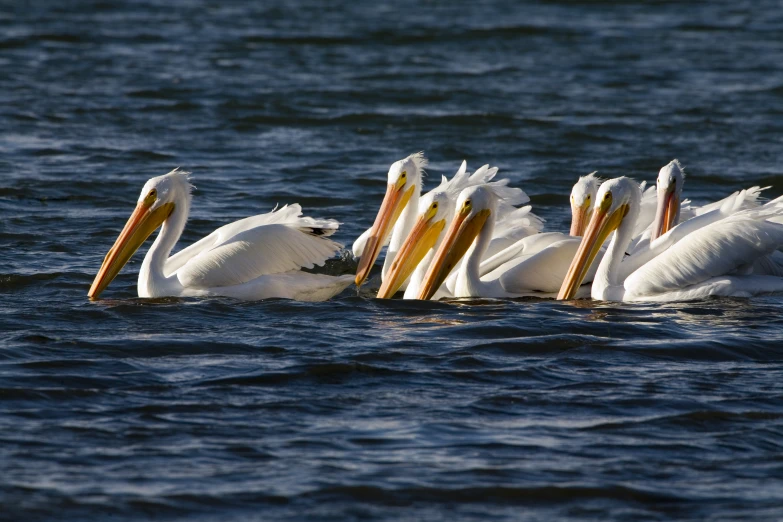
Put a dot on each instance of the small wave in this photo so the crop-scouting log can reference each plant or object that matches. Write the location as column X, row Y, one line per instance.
column 321, row 372
column 468, row 120
column 47, row 393
column 9, row 282
column 412, row 37
column 489, row 494
column 164, row 93
column 71, row 38
column 694, row 420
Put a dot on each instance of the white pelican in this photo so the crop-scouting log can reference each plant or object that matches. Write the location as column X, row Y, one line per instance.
column 254, row 258
column 438, row 205
column 704, row 260
column 669, row 188
column 582, row 197
column 469, row 235
column 395, row 217
column 436, row 209
column 555, row 249
column 671, row 210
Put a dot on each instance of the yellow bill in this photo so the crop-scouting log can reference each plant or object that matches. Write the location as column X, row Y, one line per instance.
column 421, row 239
column 601, row 225
column 580, row 217
column 665, row 214
column 457, row 241
column 393, row 204
column 141, row 224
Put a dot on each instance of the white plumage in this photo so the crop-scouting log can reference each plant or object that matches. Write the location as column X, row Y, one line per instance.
column 436, row 209
column 257, row 257
column 730, row 246
column 531, row 266
column 711, row 254
column 263, row 248
column 395, row 217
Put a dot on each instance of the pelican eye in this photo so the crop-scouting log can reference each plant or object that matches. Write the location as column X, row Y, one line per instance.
column 151, row 197
column 434, row 206
column 404, row 174
column 607, row 195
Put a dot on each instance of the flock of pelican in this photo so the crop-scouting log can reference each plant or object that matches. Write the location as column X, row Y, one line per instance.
column 471, row 236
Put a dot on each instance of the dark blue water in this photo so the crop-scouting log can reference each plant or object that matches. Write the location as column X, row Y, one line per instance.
column 212, row 409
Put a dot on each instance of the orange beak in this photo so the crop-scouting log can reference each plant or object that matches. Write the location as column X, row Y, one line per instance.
column 421, row 239
column 458, row 239
column 666, row 214
column 141, row 224
column 580, row 217
column 601, row 225
column 393, row 204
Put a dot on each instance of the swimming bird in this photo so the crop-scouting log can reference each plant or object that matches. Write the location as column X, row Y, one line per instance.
column 537, row 264
column 469, row 235
column 671, row 209
column 257, row 257
column 582, row 196
column 395, row 217
column 711, row 254
column 436, row 209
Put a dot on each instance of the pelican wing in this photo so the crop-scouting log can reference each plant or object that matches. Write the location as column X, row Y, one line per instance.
column 718, row 249
column 286, row 214
column 528, row 245
column 543, row 271
column 512, row 225
column 741, row 200
column 272, row 243
column 179, row 259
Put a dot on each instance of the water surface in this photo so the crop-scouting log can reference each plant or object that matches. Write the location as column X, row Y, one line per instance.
column 212, row 409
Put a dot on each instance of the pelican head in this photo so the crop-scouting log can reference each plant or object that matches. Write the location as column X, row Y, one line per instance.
column 474, row 206
column 670, row 181
column 582, row 198
column 614, row 200
column 157, row 201
column 436, row 208
column 404, row 178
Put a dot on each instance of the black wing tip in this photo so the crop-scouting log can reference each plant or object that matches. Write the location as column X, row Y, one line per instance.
column 316, row 231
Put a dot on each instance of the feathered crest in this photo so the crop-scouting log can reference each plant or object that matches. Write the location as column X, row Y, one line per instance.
column 511, row 196
column 458, row 179
column 461, row 180
column 420, row 161
column 513, row 218
column 483, row 174
column 674, row 165
column 585, row 186
column 184, row 177
column 589, row 182
column 449, row 185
